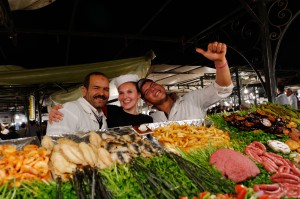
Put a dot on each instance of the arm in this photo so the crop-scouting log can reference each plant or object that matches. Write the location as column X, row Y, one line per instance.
column 216, row 52
column 66, row 125
column 55, row 115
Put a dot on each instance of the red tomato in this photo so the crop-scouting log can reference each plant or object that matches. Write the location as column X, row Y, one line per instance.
column 241, row 191
column 202, row 194
column 240, row 187
column 222, row 196
column 265, row 196
column 184, row 197
column 195, row 197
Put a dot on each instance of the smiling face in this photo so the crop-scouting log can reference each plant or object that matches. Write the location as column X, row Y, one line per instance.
column 97, row 93
column 154, row 93
column 129, row 96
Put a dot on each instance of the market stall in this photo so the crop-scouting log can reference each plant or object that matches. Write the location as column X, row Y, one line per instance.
column 252, row 153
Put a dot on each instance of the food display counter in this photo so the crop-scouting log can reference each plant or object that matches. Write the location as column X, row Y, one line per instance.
column 252, row 153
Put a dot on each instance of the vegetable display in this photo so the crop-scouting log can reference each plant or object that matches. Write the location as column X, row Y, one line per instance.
column 265, row 135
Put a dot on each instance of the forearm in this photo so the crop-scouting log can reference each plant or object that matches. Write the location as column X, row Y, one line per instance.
column 223, row 76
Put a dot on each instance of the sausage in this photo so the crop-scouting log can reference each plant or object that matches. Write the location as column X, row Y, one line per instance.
column 293, row 186
column 259, row 145
column 284, row 180
column 269, row 187
column 284, row 169
column 285, row 176
column 274, row 157
column 278, row 195
column 295, row 170
column 276, row 191
column 292, row 191
column 268, row 166
column 271, row 162
column 253, row 155
column 258, row 151
column 287, row 162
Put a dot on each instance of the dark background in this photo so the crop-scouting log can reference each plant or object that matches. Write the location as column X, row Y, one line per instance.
column 68, row 32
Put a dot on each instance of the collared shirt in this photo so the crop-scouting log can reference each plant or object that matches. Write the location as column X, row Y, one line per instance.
column 78, row 117
column 193, row 105
column 293, row 101
column 282, row 99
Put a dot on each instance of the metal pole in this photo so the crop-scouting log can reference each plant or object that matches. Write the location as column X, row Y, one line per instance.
column 267, row 53
column 238, row 86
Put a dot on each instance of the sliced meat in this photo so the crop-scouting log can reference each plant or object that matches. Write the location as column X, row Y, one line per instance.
column 234, row 165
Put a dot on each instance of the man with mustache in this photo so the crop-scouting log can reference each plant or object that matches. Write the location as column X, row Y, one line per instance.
column 84, row 114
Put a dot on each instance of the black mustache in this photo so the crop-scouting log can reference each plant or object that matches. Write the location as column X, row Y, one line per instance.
column 101, row 97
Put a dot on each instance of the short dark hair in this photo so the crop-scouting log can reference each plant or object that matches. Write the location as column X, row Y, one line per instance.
column 141, row 83
column 23, row 125
column 86, row 80
column 280, row 88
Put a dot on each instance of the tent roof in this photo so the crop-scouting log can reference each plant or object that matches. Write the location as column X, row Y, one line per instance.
column 45, row 40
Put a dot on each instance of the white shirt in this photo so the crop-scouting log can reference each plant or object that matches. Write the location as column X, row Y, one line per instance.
column 193, row 105
column 5, row 131
column 78, row 117
column 282, row 99
column 293, row 101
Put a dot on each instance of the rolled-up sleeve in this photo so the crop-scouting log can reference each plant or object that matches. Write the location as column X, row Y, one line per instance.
column 223, row 91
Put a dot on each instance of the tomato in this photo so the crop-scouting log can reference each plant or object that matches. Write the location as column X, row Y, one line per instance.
column 265, row 196
column 195, row 197
column 241, row 191
column 242, row 194
column 222, row 196
column 202, row 194
column 184, row 197
column 240, row 187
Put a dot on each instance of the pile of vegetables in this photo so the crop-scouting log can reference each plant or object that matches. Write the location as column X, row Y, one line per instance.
column 242, row 192
column 187, row 175
column 39, row 190
column 165, row 176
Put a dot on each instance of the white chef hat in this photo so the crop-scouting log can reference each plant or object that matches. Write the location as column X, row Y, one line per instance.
column 126, row 78
column 4, row 124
